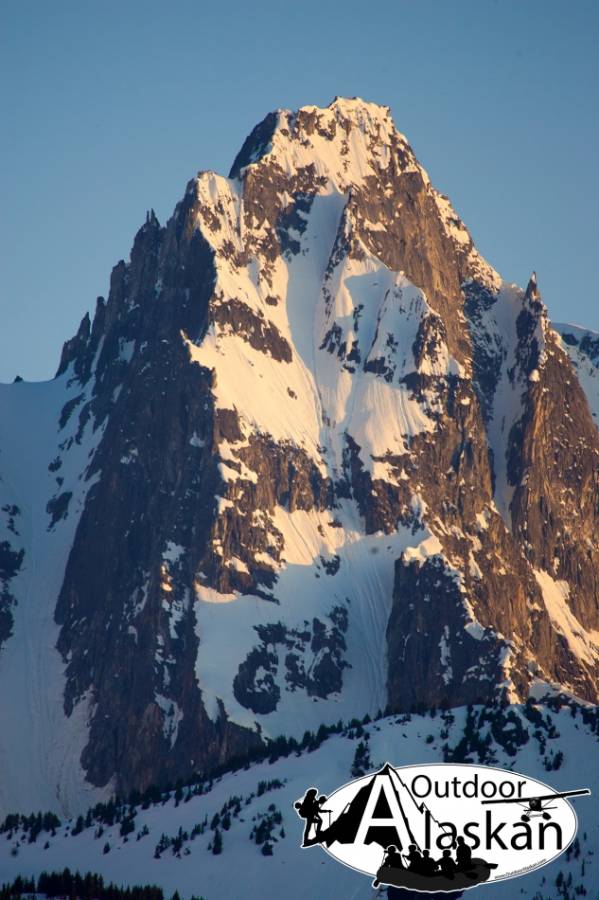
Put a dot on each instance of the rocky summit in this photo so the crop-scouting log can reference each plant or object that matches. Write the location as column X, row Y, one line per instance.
column 311, row 459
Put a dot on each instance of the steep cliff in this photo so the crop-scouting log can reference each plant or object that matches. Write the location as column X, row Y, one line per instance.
column 312, row 458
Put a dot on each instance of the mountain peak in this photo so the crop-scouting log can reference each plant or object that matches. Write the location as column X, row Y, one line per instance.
column 532, row 288
column 318, row 131
column 356, row 109
column 356, row 103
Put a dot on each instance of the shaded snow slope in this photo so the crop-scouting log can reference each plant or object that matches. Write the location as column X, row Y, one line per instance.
column 35, row 730
column 582, row 345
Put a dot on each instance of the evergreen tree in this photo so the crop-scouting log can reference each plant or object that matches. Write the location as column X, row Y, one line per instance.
column 217, row 843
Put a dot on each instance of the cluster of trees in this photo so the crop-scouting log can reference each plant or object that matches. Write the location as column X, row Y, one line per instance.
column 32, row 825
column 590, row 716
column 263, row 831
column 495, row 725
column 177, row 841
column 362, row 762
column 273, row 784
column 221, row 822
column 82, row 887
column 566, row 889
column 553, row 761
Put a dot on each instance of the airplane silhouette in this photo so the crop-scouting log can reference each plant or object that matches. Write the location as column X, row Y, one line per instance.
column 536, row 806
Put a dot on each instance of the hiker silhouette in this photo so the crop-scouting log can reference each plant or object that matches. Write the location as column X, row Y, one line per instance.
column 309, row 808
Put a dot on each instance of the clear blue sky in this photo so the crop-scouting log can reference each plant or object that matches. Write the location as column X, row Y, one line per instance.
column 108, row 108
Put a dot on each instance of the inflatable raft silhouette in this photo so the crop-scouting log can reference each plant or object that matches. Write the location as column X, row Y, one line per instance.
column 478, row 871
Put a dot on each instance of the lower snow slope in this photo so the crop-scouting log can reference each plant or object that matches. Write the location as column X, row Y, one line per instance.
column 169, row 842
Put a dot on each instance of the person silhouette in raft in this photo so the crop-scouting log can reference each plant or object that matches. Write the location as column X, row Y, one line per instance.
column 463, row 855
column 415, row 857
column 393, row 858
column 447, row 865
column 428, row 866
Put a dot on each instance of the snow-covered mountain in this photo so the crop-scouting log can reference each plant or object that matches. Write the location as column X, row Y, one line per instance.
column 248, row 815
column 312, row 459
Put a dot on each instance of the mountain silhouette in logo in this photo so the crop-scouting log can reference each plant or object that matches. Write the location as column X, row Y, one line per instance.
column 407, row 830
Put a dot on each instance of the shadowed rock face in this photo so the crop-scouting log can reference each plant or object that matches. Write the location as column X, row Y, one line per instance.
column 335, row 464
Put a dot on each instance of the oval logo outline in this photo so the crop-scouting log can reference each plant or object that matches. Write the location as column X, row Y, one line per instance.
column 523, row 802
